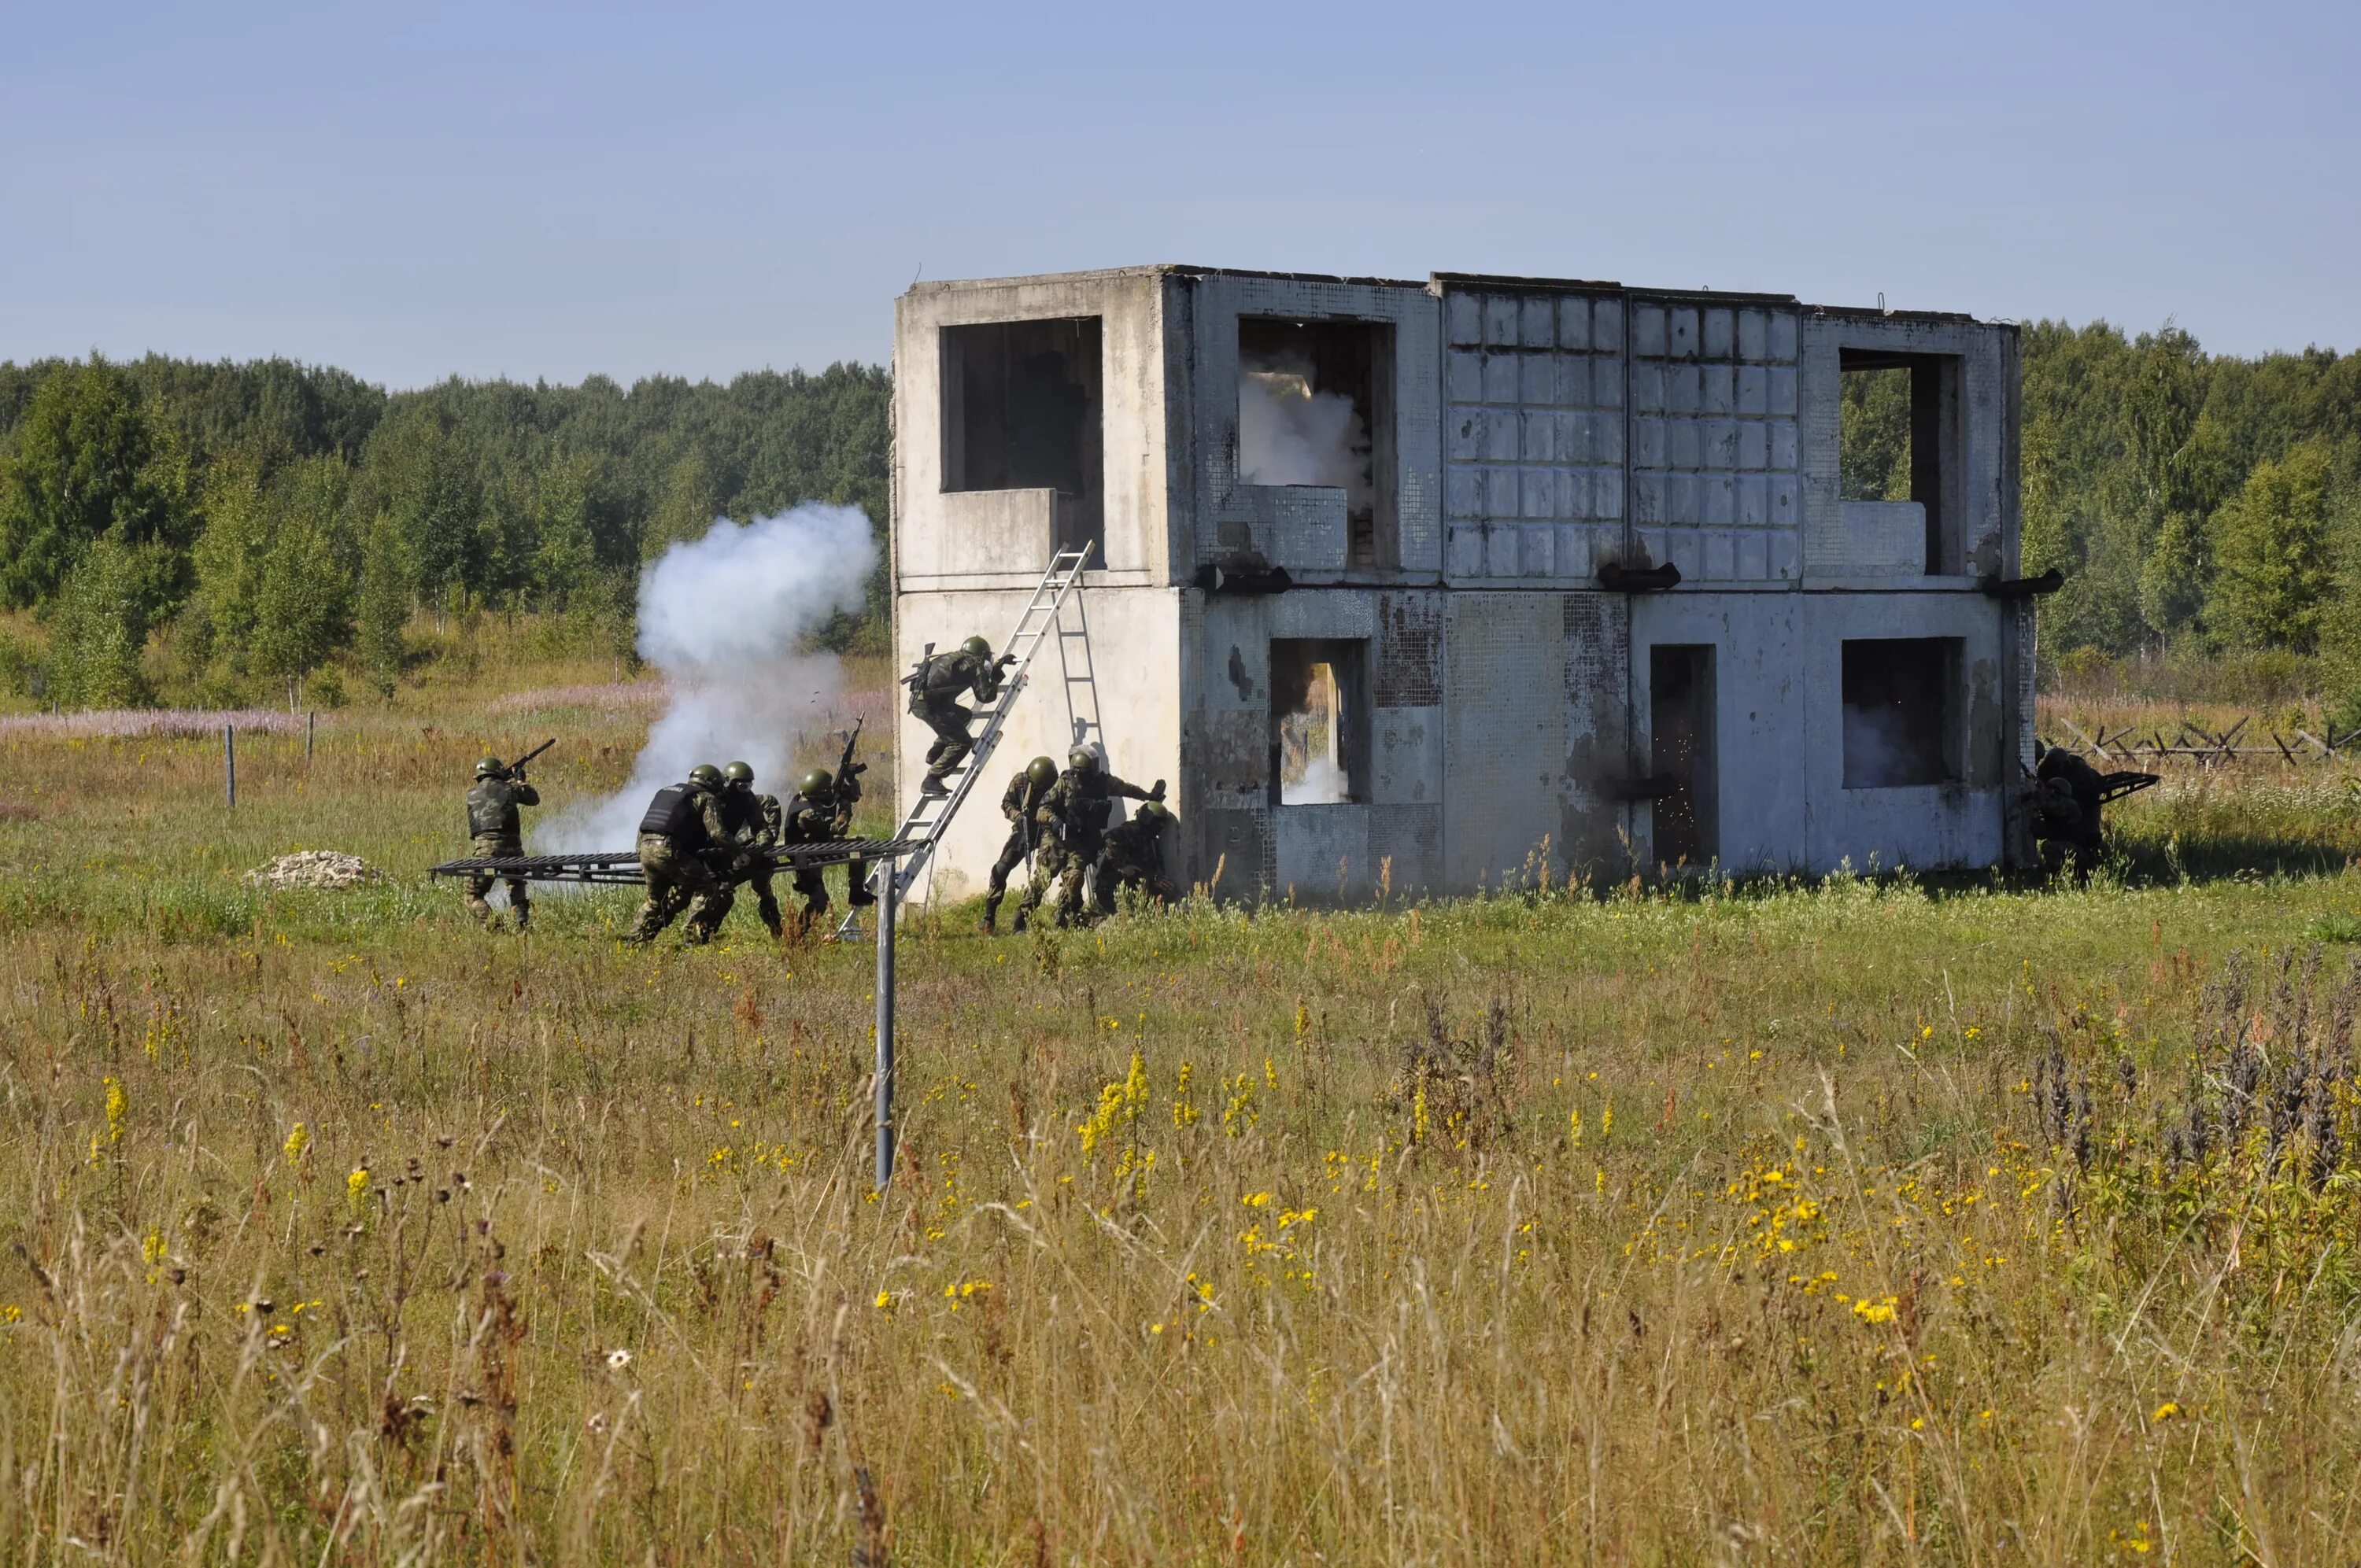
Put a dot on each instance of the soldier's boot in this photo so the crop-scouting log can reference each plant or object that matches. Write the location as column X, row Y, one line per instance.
column 478, row 906
column 523, row 909
column 859, row 894
column 990, row 923
column 933, row 786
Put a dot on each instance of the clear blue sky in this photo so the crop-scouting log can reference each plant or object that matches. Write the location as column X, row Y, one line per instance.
column 549, row 190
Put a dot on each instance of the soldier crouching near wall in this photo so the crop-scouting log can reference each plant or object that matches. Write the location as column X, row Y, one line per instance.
column 494, row 832
column 1134, row 857
column 1075, row 813
column 2065, row 812
column 683, row 824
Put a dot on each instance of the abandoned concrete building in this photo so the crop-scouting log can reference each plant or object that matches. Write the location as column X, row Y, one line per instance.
column 1426, row 586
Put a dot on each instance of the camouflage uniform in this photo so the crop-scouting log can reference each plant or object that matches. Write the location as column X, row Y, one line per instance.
column 935, row 697
column 494, row 832
column 1133, row 857
column 1018, row 802
column 1075, row 815
column 2082, row 831
column 757, row 818
column 808, row 821
column 679, row 875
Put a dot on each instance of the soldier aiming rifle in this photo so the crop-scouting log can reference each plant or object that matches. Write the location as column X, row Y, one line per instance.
column 495, row 831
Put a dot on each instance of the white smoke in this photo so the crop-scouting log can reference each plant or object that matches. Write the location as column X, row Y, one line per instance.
column 1290, row 434
column 726, row 619
column 1883, row 749
column 1323, row 784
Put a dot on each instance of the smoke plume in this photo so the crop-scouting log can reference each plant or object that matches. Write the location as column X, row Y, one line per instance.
column 1290, row 434
column 727, row 618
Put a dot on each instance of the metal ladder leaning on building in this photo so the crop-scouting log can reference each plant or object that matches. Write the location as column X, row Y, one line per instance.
column 933, row 813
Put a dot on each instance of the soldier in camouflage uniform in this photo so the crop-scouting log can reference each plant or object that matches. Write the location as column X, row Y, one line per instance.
column 936, row 686
column 1134, row 857
column 493, row 831
column 1075, row 811
column 2068, row 816
column 1023, row 797
column 759, row 819
column 815, row 816
column 683, row 824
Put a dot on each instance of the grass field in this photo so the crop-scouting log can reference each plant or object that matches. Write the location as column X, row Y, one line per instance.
column 1868, row 1221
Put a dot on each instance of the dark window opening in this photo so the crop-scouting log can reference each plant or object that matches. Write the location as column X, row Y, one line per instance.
column 1315, row 407
column 1680, row 753
column 1319, row 729
column 1022, row 412
column 1901, row 712
column 1897, row 440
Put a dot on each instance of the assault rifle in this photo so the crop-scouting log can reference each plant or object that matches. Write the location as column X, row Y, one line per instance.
column 514, row 772
column 848, row 772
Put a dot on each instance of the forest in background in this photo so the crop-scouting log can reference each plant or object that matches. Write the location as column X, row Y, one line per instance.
column 219, row 532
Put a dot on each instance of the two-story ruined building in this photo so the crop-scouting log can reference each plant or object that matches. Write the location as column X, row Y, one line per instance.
column 1430, row 584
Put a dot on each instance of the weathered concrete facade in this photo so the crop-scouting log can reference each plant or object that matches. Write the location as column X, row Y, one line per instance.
column 1498, row 680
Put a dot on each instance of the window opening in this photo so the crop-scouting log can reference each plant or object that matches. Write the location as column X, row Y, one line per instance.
column 1897, row 441
column 1900, row 712
column 1022, row 411
column 1680, row 727
column 1318, row 734
column 1315, row 407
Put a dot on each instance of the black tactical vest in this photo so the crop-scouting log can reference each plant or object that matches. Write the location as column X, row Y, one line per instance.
column 673, row 814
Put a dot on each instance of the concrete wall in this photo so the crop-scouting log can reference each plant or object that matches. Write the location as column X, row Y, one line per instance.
column 1542, row 430
column 1001, row 538
column 1134, row 635
column 1300, row 529
column 1779, row 728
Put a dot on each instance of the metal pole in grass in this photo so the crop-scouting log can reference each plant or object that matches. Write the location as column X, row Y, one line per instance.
column 311, row 725
column 229, row 762
column 889, row 892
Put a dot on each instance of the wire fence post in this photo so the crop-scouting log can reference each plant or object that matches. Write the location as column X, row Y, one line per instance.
column 889, row 892
column 229, row 762
column 310, row 727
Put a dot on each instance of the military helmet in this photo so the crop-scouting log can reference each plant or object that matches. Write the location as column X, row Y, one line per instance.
column 817, row 784
column 1083, row 760
column 738, row 773
column 1155, row 813
column 705, row 776
column 488, row 767
column 1042, row 772
column 978, row 646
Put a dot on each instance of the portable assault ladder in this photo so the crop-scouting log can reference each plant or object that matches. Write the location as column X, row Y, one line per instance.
column 933, row 813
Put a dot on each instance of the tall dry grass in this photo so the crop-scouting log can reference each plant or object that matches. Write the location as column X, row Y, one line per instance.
column 1858, row 1221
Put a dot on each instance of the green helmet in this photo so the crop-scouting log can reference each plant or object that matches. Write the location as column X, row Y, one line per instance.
column 817, row 784
column 488, row 767
column 1042, row 772
column 978, row 646
column 1155, row 813
column 705, row 776
column 738, row 773
column 1083, row 760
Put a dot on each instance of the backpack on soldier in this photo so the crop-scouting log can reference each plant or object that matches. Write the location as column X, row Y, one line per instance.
column 917, row 681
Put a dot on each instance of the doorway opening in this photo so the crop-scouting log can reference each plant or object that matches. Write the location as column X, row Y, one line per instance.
column 1680, row 753
column 1318, row 734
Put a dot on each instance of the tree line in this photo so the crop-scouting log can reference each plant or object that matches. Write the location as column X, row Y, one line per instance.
column 270, row 520
column 267, row 520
